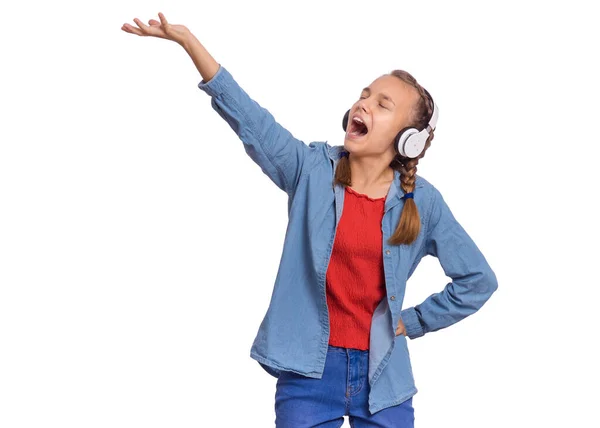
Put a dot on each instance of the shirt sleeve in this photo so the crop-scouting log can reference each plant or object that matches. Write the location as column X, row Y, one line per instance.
column 473, row 280
column 280, row 156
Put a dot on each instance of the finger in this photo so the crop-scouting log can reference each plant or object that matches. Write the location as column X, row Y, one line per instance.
column 131, row 29
column 154, row 23
column 152, row 30
column 163, row 20
column 145, row 29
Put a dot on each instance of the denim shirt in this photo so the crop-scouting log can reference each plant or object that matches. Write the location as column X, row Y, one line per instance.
column 294, row 333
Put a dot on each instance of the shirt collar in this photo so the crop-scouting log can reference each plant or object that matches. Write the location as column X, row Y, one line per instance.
column 395, row 192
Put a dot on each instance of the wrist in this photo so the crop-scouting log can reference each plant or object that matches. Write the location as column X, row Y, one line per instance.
column 188, row 41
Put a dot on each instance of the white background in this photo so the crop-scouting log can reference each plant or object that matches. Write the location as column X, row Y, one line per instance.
column 139, row 243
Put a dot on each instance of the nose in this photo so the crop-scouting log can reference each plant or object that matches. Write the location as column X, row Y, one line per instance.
column 362, row 105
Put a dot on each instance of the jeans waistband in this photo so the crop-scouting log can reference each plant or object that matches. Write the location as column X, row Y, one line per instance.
column 332, row 348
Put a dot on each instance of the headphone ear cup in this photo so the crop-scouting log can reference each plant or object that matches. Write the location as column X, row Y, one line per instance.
column 401, row 139
column 415, row 143
column 345, row 120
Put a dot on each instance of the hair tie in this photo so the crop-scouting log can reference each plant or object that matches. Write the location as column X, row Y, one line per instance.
column 408, row 195
column 343, row 154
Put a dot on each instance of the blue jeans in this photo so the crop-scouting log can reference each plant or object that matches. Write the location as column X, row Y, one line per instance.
column 303, row 402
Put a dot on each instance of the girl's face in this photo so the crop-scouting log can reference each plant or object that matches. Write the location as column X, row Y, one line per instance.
column 384, row 109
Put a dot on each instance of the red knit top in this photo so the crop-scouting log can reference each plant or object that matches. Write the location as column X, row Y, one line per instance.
column 355, row 282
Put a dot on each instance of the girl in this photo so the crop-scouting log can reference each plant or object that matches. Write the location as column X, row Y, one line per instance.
column 360, row 220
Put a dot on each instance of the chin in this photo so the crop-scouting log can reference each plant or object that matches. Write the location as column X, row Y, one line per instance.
column 349, row 143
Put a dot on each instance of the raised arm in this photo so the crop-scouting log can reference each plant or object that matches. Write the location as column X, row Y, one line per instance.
column 281, row 157
column 473, row 280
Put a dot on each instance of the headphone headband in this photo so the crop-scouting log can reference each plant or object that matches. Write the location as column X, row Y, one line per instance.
column 434, row 116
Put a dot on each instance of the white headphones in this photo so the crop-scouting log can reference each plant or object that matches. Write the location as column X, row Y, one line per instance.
column 410, row 142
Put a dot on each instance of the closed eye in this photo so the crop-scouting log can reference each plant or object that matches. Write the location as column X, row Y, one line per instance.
column 381, row 105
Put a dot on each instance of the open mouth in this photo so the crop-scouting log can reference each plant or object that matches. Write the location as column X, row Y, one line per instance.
column 357, row 128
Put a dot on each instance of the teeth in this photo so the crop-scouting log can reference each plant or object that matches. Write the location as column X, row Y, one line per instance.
column 358, row 119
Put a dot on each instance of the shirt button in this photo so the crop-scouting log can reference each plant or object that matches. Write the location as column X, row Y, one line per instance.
column 393, row 298
column 387, row 251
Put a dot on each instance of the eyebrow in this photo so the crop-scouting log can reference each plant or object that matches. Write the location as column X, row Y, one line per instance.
column 384, row 96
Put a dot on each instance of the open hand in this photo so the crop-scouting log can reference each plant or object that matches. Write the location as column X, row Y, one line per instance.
column 162, row 29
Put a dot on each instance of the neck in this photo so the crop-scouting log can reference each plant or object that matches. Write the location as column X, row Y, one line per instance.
column 370, row 172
